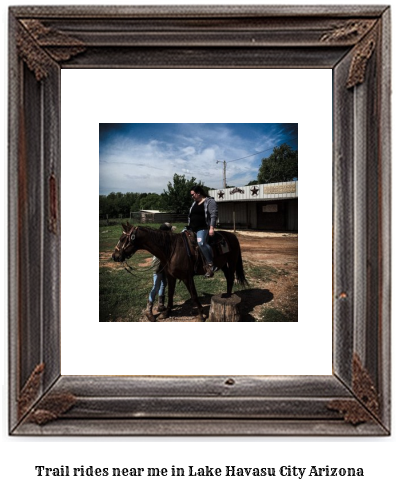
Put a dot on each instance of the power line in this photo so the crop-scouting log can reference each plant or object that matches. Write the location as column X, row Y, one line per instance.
column 224, row 162
column 257, row 153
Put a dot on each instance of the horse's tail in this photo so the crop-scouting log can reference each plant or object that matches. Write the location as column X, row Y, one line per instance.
column 240, row 275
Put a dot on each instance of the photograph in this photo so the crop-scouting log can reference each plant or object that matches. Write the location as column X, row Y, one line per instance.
column 194, row 231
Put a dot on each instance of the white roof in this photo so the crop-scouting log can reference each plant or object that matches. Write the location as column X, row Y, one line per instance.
column 273, row 191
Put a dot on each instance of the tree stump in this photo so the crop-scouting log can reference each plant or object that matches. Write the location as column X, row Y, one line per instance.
column 225, row 309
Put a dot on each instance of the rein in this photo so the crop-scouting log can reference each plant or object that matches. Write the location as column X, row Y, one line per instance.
column 140, row 270
column 130, row 236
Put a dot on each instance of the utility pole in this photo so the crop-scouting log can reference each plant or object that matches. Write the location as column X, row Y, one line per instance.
column 224, row 172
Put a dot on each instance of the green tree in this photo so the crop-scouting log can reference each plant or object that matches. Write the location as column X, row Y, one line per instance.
column 150, row 202
column 115, row 204
column 177, row 197
column 132, row 199
column 135, row 202
column 280, row 166
column 103, row 205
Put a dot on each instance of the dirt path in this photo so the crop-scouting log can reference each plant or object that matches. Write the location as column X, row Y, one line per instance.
column 280, row 252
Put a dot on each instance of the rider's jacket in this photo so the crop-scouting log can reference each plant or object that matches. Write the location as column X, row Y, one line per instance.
column 211, row 212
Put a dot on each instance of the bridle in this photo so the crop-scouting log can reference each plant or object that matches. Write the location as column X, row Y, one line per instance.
column 126, row 241
column 130, row 236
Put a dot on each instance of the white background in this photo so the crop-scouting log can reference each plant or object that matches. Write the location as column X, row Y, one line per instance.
column 378, row 456
column 267, row 96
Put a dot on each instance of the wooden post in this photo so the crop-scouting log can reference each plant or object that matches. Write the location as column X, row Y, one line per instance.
column 225, row 309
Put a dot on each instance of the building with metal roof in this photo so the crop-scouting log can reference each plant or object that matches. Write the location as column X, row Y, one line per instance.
column 271, row 207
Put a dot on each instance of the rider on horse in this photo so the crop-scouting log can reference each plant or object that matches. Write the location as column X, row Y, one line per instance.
column 202, row 220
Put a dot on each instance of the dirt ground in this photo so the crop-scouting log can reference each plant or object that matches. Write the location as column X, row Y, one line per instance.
column 271, row 264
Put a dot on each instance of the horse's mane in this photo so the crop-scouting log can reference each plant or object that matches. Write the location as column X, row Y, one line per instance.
column 164, row 238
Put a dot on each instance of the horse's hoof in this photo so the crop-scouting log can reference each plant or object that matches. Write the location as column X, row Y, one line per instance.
column 165, row 314
column 226, row 295
column 200, row 318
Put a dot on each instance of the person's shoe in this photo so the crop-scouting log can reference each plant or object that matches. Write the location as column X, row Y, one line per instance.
column 148, row 313
column 209, row 270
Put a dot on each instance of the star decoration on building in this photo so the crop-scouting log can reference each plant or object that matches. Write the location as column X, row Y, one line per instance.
column 255, row 191
column 220, row 194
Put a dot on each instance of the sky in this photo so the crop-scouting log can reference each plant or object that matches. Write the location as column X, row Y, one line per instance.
column 143, row 158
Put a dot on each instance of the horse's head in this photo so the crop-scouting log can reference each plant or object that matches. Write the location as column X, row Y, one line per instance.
column 127, row 244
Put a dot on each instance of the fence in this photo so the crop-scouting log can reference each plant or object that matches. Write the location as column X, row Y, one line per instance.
column 107, row 220
column 143, row 217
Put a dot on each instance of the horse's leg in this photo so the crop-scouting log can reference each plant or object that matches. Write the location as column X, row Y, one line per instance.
column 190, row 285
column 229, row 275
column 171, row 291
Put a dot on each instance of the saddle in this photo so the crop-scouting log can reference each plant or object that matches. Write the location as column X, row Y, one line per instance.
column 218, row 244
column 190, row 241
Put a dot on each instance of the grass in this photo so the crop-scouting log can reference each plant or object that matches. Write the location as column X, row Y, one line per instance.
column 263, row 273
column 271, row 314
column 123, row 295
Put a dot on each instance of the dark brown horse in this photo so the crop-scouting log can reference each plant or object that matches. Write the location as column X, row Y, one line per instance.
column 178, row 262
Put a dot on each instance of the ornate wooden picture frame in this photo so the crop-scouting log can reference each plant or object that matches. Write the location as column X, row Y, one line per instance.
column 353, row 42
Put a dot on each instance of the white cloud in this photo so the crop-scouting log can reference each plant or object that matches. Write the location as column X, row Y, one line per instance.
column 130, row 163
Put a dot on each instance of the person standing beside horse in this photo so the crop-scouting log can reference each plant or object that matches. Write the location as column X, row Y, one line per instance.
column 202, row 219
column 159, row 282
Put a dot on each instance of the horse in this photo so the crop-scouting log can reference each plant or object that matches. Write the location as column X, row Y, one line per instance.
column 173, row 251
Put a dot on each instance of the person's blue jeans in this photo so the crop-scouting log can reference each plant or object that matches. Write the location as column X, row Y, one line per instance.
column 202, row 238
column 159, row 285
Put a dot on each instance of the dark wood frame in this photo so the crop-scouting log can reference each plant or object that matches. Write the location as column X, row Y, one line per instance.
column 352, row 41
